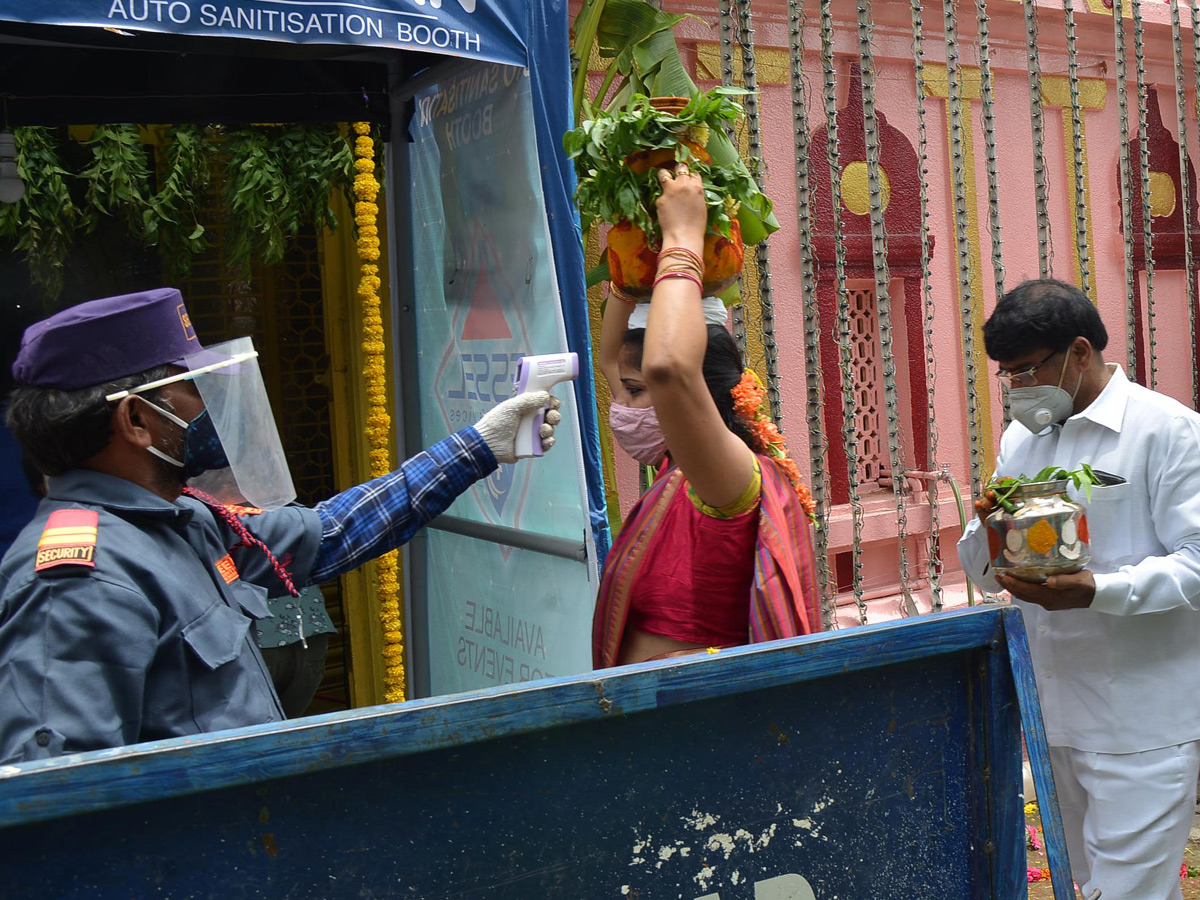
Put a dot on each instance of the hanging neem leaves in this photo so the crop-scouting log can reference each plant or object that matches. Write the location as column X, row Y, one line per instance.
column 318, row 161
column 118, row 180
column 257, row 199
column 276, row 179
column 43, row 223
column 172, row 221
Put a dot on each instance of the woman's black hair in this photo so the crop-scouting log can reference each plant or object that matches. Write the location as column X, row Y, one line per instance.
column 1041, row 314
column 61, row 430
column 722, row 370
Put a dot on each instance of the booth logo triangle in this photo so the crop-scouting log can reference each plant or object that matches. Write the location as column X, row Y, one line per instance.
column 486, row 320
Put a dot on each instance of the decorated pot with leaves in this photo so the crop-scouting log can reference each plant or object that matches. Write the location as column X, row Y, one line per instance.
column 616, row 154
column 1037, row 531
column 633, row 260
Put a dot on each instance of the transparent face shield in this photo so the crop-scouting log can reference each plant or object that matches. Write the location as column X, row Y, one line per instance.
column 236, row 400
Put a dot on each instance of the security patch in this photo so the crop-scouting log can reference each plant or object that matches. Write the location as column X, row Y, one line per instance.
column 69, row 539
column 227, row 569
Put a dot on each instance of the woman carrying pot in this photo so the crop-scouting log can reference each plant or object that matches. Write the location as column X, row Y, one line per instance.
column 718, row 552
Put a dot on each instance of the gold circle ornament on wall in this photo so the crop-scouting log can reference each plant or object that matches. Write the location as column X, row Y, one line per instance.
column 1162, row 194
column 856, row 188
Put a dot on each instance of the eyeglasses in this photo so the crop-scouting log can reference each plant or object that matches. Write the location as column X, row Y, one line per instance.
column 1024, row 378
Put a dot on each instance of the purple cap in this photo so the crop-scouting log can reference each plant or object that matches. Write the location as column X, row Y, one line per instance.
column 102, row 340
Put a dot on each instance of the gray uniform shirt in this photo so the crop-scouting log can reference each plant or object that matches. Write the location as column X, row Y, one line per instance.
column 153, row 640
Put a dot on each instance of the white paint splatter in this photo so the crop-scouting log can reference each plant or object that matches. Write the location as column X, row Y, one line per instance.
column 764, row 839
column 736, row 877
column 699, row 821
column 719, row 843
column 704, row 876
column 625, row 890
column 806, row 823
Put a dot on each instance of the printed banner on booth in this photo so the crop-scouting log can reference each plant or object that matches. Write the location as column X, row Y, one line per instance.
column 486, row 295
column 476, row 29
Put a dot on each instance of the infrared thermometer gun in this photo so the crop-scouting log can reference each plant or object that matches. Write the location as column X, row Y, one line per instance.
column 539, row 373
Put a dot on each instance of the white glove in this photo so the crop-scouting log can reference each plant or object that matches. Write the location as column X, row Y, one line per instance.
column 498, row 427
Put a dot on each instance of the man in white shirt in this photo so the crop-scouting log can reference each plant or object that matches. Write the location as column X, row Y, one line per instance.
column 1116, row 647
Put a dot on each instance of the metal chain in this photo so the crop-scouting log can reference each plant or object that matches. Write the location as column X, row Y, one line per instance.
column 1191, row 273
column 1041, row 203
column 758, row 168
column 962, row 243
column 1144, row 162
column 849, row 428
column 1131, row 348
column 1081, row 200
column 1185, row 186
column 927, row 305
column 989, row 143
column 987, row 97
column 725, row 20
column 814, row 382
column 883, row 300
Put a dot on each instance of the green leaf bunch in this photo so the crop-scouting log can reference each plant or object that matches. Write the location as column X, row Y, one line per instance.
column 1000, row 490
column 637, row 41
column 317, row 160
column 276, row 180
column 43, row 223
column 610, row 191
column 172, row 221
column 118, row 179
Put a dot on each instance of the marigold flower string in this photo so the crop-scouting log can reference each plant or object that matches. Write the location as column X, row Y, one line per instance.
column 379, row 423
column 750, row 405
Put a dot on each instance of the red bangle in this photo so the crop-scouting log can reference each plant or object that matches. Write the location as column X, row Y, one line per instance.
column 667, row 251
column 691, row 276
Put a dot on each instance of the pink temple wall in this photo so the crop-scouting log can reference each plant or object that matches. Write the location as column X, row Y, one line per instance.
column 896, row 99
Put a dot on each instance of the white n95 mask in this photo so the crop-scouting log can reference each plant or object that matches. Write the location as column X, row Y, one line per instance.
column 1042, row 405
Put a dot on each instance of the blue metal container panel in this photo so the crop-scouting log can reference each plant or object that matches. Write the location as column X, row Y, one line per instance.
column 878, row 762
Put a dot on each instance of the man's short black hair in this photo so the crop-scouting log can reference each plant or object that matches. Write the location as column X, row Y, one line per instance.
column 1042, row 313
column 61, row 430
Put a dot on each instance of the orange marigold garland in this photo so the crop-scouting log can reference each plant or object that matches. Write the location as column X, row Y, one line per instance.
column 379, row 422
column 750, row 405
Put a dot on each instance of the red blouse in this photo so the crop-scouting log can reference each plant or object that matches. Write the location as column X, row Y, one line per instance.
column 694, row 582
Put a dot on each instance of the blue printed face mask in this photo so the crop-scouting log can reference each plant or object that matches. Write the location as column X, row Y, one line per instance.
column 202, row 450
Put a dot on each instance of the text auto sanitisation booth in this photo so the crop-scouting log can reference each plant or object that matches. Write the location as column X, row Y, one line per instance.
column 484, row 255
column 880, row 762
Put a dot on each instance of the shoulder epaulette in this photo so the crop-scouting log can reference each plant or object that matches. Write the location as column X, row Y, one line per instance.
column 68, row 540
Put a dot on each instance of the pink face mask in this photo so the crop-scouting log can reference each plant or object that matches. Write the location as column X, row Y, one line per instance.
column 638, row 433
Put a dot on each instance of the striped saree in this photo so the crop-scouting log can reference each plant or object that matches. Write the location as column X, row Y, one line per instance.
column 784, row 599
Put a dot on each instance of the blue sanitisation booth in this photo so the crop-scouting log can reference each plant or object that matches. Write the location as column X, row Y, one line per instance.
column 484, row 254
column 879, row 762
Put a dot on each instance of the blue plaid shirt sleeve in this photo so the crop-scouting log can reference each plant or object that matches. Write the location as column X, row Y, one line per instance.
column 367, row 521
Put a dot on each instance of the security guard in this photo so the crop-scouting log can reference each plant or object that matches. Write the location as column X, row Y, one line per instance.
column 126, row 605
